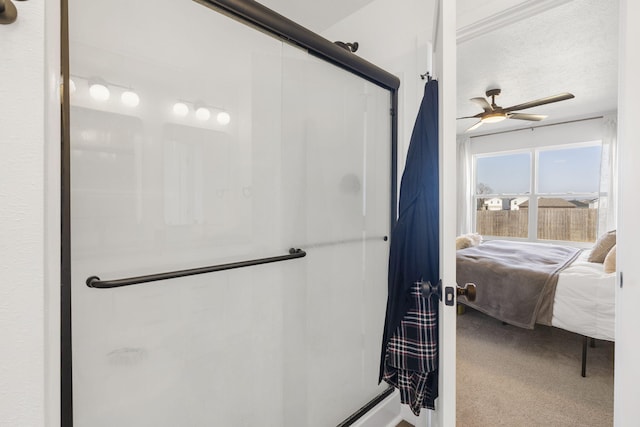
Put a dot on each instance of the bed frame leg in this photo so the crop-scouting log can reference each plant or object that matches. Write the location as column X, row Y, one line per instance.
column 585, row 339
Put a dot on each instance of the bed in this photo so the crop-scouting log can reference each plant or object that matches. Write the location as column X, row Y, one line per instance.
column 526, row 283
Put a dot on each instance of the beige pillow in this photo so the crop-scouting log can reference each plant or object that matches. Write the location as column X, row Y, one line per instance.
column 463, row 242
column 603, row 246
column 610, row 261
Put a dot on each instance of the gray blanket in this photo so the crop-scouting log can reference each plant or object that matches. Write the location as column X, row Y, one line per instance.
column 516, row 281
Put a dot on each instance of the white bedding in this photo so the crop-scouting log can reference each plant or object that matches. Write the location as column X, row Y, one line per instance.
column 585, row 299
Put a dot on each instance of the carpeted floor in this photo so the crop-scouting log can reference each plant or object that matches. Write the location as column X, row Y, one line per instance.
column 509, row 376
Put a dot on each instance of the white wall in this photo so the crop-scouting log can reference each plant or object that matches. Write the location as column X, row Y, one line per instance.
column 29, row 193
column 545, row 136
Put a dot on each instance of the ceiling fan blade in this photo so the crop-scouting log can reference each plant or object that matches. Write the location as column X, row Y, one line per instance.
column 477, row 116
column 542, row 101
column 531, row 117
column 482, row 103
column 476, row 126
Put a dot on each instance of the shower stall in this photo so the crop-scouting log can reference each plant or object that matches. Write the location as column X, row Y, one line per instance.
column 229, row 188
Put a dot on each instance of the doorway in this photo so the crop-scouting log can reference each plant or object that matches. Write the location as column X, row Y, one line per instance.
column 485, row 60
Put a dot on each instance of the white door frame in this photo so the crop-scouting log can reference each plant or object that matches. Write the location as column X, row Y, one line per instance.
column 627, row 370
column 445, row 62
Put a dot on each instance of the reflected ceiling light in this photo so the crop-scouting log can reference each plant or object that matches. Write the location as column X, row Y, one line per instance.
column 72, row 86
column 130, row 98
column 203, row 113
column 98, row 90
column 223, row 118
column 89, row 135
column 180, row 109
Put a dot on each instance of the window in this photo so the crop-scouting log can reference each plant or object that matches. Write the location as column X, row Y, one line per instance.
column 539, row 194
column 500, row 181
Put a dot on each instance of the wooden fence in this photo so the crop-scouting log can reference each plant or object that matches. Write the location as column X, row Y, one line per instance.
column 577, row 225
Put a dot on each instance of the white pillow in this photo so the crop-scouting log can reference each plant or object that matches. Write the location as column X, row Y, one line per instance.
column 468, row 240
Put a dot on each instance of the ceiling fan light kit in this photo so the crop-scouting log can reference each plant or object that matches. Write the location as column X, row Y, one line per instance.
column 493, row 118
column 493, row 113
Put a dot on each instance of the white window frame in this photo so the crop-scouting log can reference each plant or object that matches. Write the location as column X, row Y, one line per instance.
column 534, row 193
column 474, row 187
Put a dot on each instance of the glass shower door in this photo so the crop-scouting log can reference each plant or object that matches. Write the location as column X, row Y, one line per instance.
column 196, row 141
column 336, row 129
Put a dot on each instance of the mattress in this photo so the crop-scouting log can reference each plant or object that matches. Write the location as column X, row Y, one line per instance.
column 584, row 302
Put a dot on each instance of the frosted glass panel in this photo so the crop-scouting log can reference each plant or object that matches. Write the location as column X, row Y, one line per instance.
column 194, row 151
column 336, row 131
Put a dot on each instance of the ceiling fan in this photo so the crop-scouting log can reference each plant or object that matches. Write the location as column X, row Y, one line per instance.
column 494, row 113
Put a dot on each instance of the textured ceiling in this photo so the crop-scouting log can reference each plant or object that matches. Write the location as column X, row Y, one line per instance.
column 571, row 47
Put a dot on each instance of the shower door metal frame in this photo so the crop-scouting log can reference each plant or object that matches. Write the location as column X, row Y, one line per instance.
column 253, row 14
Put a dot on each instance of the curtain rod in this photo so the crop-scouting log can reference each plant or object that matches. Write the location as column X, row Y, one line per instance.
column 539, row 126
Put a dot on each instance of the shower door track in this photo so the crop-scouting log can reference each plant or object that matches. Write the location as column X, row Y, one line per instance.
column 257, row 15
column 254, row 14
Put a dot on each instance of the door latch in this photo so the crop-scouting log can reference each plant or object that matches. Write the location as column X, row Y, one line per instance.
column 468, row 291
column 449, row 295
column 449, row 292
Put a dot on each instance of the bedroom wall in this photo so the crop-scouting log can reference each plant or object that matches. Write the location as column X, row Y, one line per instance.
column 568, row 133
column 579, row 131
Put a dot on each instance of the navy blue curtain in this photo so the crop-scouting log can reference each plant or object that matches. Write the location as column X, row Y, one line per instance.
column 414, row 257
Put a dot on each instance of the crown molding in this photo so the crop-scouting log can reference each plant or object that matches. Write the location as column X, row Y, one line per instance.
column 508, row 16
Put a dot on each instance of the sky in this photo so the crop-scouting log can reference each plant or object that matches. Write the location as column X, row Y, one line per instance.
column 568, row 170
